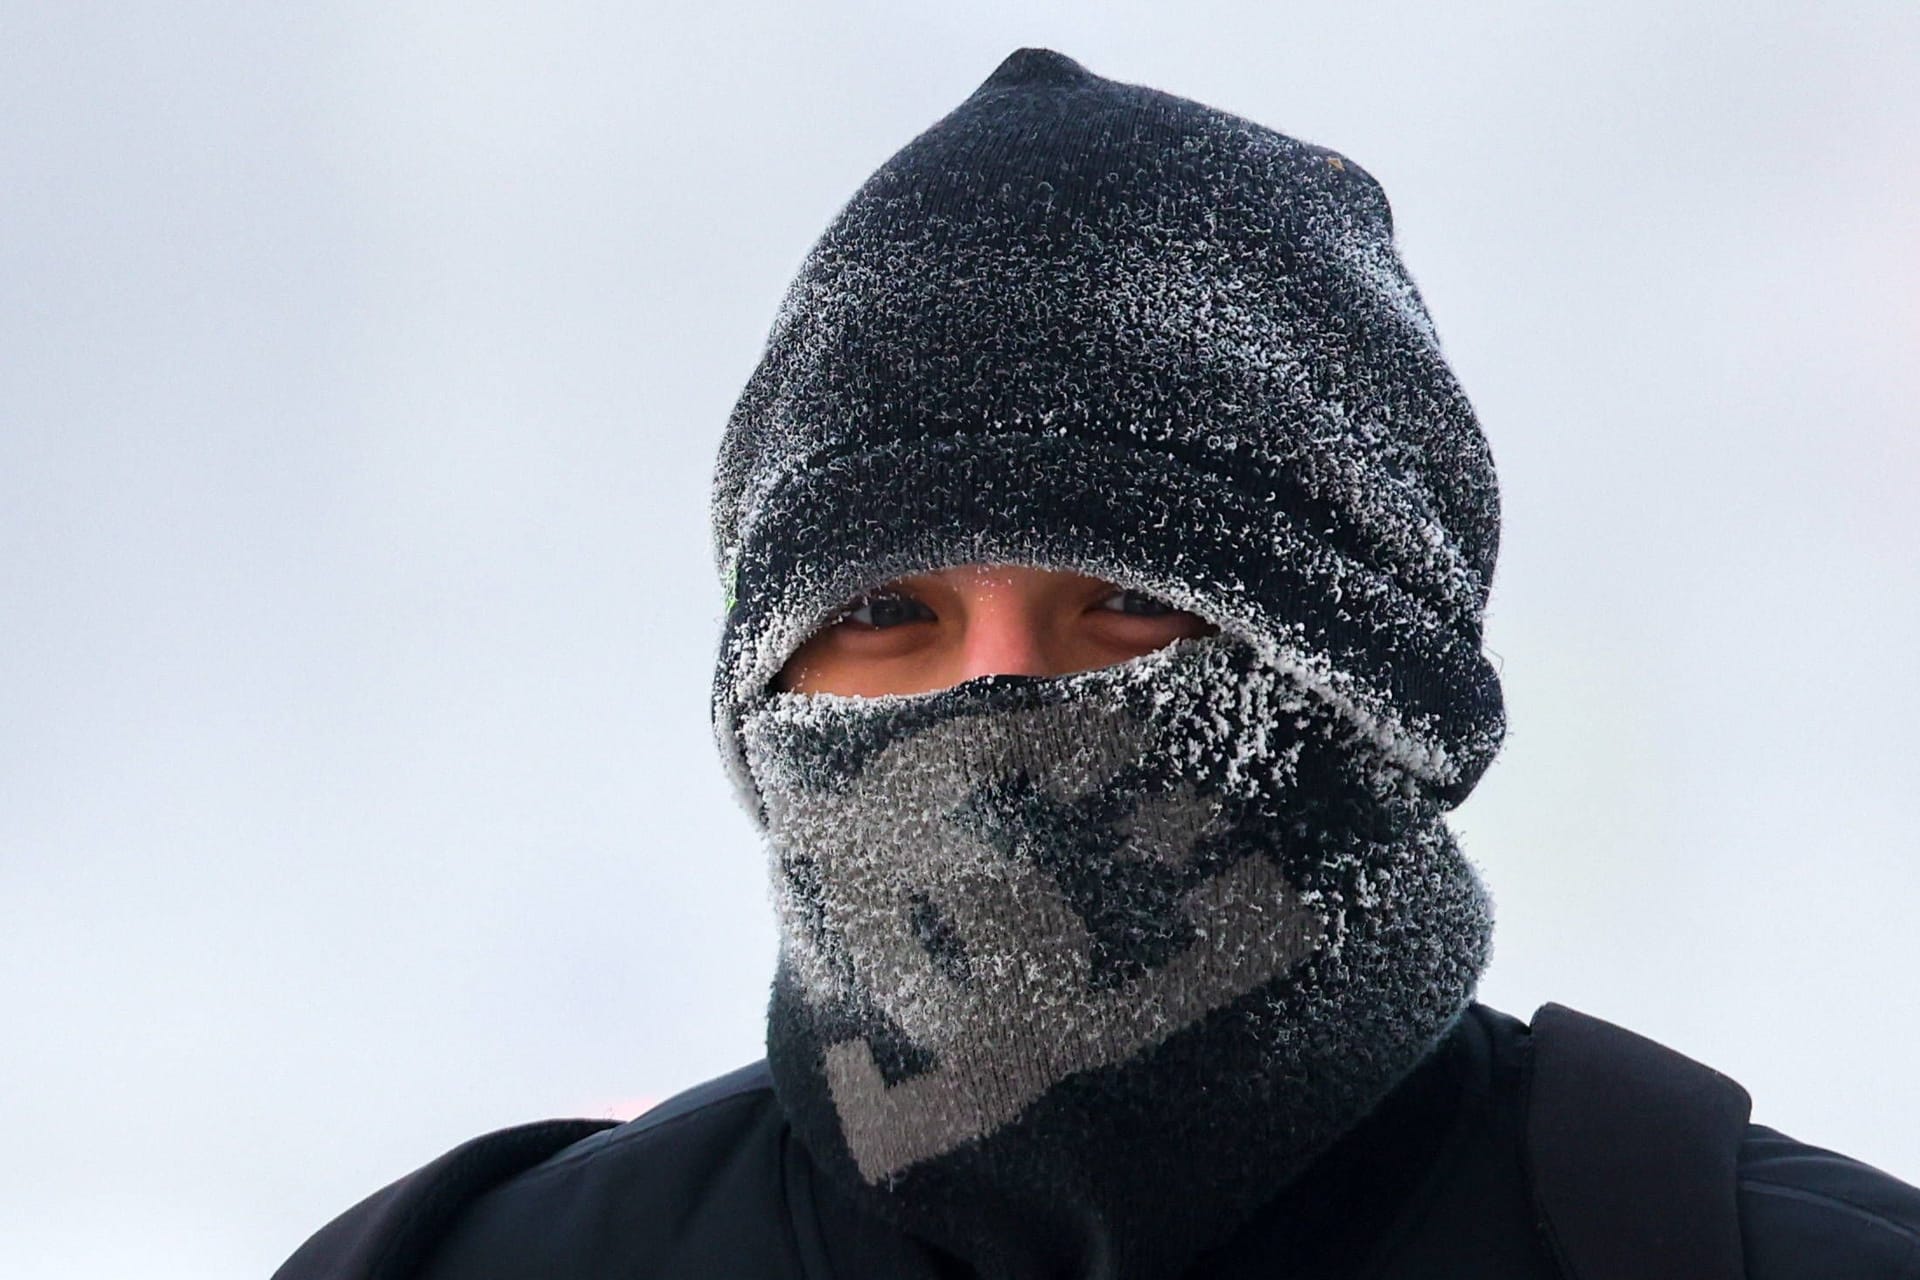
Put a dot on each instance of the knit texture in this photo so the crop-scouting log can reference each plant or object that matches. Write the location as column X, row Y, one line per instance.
column 1089, row 325
column 1077, row 972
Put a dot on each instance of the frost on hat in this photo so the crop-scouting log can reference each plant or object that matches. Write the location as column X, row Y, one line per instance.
column 1089, row 325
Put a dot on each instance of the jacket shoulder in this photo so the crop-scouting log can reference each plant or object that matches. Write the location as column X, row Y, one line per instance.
column 695, row 1186
column 1800, row 1212
column 1807, row 1212
column 582, row 1198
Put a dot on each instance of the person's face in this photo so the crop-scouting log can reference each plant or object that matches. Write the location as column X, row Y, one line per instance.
column 934, row 630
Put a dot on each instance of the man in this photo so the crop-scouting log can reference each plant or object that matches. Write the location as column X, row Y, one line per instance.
column 1106, row 545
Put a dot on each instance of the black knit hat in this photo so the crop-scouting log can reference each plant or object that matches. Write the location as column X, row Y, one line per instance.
column 1088, row 325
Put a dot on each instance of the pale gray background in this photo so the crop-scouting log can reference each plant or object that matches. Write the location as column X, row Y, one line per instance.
column 360, row 370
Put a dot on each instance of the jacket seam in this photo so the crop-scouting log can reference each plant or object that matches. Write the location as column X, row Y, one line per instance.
column 1786, row 1192
column 561, row 1162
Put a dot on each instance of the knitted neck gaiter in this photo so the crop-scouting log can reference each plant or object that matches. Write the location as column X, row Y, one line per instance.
column 1077, row 972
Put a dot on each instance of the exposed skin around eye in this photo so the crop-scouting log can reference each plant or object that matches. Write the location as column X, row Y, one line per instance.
column 934, row 630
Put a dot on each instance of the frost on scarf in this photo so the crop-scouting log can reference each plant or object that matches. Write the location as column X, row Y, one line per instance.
column 1021, row 895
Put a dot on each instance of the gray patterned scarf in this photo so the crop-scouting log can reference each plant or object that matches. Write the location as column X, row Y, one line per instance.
column 1078, row 971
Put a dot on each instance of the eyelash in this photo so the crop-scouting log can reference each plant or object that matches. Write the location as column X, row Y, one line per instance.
column 1160, row 608
column 873, row 597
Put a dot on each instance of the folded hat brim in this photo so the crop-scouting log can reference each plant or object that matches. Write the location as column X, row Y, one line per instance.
column 1412, row 682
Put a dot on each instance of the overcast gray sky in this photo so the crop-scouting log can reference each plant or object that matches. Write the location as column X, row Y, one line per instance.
column 363, row 366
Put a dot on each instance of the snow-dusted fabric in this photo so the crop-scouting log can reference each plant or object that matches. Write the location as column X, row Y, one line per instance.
column 1078, row 971
column 1089, row 325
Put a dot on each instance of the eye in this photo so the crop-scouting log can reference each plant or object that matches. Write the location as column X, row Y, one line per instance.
column 1137, row 603
column 878, row 610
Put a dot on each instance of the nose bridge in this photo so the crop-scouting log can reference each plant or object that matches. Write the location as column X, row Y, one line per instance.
column 1005, row 632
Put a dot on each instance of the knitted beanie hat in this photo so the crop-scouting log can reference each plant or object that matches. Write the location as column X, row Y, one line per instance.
column 1089, row 325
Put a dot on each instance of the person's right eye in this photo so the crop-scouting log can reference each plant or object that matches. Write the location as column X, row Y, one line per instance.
column 878, row 610
column 1138, row 604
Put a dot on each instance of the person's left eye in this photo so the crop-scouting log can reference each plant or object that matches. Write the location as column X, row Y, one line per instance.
column 1137, row 603
column 882, row 610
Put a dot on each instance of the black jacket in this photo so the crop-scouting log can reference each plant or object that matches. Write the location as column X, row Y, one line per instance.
column 1443, row 1180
